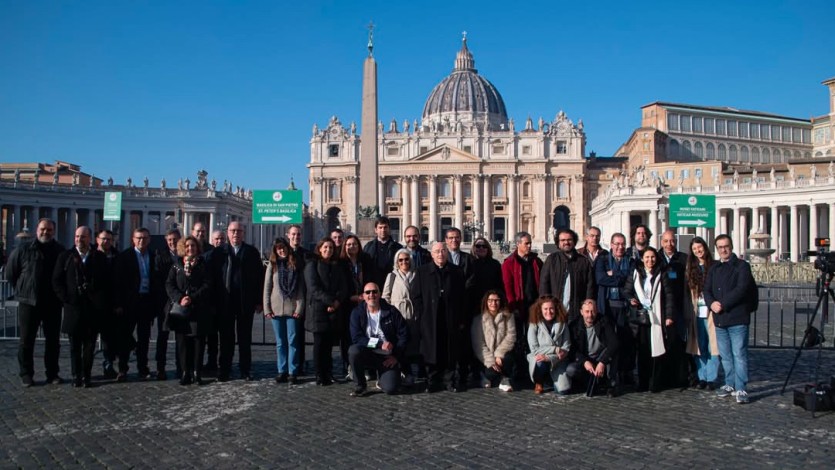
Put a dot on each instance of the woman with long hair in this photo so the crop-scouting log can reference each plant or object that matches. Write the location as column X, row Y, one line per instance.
column 648, row 294
column 189, row 285
column 284, row 293
column 327, row 289
column 493, row 334
column 397, row 293
column 701, row 340
column 549, row 340
column 357, row 265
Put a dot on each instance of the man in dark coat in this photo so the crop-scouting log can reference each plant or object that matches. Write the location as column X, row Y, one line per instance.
column 730, row 293
column 595, row 347
column 419, row 254
column 673, row 266
column 592, row 249
column 107, row 326
column 566, row 268
column 379, row 335
column 136, row 301
column 382, row 250
column 613, row 271
column 163, row 261
column 238, row 277
column 29, row 269
column 82, row 281
column 443, row 320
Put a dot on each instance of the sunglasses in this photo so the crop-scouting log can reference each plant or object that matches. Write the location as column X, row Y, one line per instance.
column 480, row 246
column 403, row 260
column 370, row 292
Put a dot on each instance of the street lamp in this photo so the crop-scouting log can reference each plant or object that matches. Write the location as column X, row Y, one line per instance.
column 474, row 227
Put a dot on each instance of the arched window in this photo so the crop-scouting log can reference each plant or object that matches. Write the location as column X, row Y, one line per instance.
column 562, row 218
column 732, row 155
column 687, row 151
column 818, row 154
column 723, row 154
column 467, row 189
column 699, row 151
column 526, row 189
column 562, row 189
column 776, row 156
column 743, row 154
column 424, row 189
column 444, row 188
column 755, row 155
column 674, row 148
column 393, row 190
column 333, row 191
column 498, row 188
column 710, row 152
column 797, row 154
column 766, row 156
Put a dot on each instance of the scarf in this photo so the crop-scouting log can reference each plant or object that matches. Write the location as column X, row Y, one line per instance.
column 648, row 299
column 287, row 279
column 188, row 264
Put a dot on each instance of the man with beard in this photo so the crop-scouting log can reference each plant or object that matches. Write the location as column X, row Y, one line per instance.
column 29, row 269
column 419, row 254
column 567, row 276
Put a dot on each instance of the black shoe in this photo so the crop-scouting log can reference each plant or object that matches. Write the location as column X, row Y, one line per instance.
column 77, row 382
column 110, row 373
column 210, row 367
column 161, row 375
column 612, row 392
column 122, row 377
column 281, row 378
column 186, row 379
column 57, row 380
column 27, row 381
column 88, row 382
column 198, row 378
column 359, row 391
column 223, row 377
column 711, row 386
column 247, row 377
column 702, row 384
column 144, row 374
column 294, row 380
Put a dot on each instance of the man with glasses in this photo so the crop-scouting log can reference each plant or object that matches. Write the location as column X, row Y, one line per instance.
column 104, row 244
column 419, row 254
column 218, row 238
column 592, row 249
column 567, row 276
column 379, row 335
column 730, row 294
column 29, row 269
column 137, row 294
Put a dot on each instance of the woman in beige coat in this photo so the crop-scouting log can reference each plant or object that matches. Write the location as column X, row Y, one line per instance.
column 284, row 293
column 493, row 334
column 396, row 293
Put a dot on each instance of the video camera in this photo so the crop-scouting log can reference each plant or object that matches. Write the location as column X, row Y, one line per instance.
column 825, row 260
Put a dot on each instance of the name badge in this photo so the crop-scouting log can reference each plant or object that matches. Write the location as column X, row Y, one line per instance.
column 372, row 342
column 673, row 275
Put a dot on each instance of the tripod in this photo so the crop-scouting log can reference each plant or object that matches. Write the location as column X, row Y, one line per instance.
column 813, row 337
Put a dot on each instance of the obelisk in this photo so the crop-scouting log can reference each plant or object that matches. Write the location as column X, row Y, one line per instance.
column 368, row 209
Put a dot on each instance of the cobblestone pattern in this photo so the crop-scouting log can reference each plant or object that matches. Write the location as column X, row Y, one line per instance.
column 261, row 424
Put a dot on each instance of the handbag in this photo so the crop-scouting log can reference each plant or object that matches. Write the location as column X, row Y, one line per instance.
column 180, row 312
column 638, row 316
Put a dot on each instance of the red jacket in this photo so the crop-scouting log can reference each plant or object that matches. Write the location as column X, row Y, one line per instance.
column 512, row 277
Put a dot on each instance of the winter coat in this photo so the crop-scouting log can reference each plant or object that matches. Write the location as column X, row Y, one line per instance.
column 275, row 303
column 29, row 269
column 542, row 341
column 396, row 293
column 434, row 289
column 731, row 284
column 199, row 287
column 493, row 336
column 552, row 280
column 326, row 282
column 84, row 288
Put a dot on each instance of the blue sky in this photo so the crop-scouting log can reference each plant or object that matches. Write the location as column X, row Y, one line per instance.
column 164, row 88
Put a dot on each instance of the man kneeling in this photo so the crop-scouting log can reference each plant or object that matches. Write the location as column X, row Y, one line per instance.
column 379, row 335
column 596, row 347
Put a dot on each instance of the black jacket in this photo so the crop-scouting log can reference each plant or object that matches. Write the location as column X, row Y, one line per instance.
column 325, row 282
column 674, row 271
column 242, row 281
column 552, row 279
column 128, row 278
column 84, row 288
column 391, row 322
column 606, row 283
column 382, row 256
column 605, row 333
column 30, row 268
column 198, row 286
column 433, row 289
column 732, row 284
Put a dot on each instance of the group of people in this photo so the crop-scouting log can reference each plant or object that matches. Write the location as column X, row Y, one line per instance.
column 584, row 319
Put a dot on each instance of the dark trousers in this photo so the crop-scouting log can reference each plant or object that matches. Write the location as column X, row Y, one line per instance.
column 108, row 346
column 212, row 341
column 137, row 317
column 31, row 318
column 323, row 354
column 161, row 355
column 82, row 349
column 363, row 358
column 189, row 349
column 581, row 377
column 232, row 327
column 650, row 369
column 508, row 370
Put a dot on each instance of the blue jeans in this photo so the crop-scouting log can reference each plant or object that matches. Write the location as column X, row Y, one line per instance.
column 733, row 350
column 707, row 365
column 285, row 344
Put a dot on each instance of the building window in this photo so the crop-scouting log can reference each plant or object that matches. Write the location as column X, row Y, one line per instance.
column 468, row 190
column 526, row 189
column 743, row 154
column 710, row 153
column 672, row 122
column 674, row 148
column 333, row 150
column 687, row 152
column 685, row 173
column 766, row 156
column 755, row 155
column 697, row 124
column 732, row 128
column 714, row 171
column 423, row 150
column 468, row 148
column 776, row 157
column 708, row 125
column 562, row 189
column 498, row 149
column 498, row 188
column 720, row 126
column 393, row 151
column 669, row 175
column 393, row 190
column 743, row 129
column 732, row 155
column 723, row 155
column 766, row 132
column 698, row 173
column 424, row 189
column 444, row 188
column 333, row 191
column 755, row 131
column 699, row 151
column 787, row 137
column 685, row 123
column 796, row 135
column 807, row 136
column 562, row 148
column 775, row 132
column 526, row 150
column 653, row 174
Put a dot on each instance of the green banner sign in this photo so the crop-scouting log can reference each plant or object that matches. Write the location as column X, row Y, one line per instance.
column 277, row 206
column 113, row 206
column 692, row 210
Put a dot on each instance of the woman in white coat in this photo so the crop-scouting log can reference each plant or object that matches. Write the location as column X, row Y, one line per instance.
column 396, row 293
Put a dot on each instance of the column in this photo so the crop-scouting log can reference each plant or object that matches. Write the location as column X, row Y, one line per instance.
column 653, row 227
column 513, row 213
column 755, row 220
column 381, row 194
column 211, row 226
column 416, row 206
column 723, row 221
column 794, row 242
column 813, row 226
column 475, row 184
column 488, row 204
column 735, row 236
column 541, row 221
column 831, row 217
column 458, row 190
column 775, row 231
column 433, row 208
column 662, row 216
column 406, row 202
column 802, row 230
column 624, row 224
column 743, row 233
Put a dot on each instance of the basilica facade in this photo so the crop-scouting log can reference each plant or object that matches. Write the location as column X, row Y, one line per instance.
column 465, row 164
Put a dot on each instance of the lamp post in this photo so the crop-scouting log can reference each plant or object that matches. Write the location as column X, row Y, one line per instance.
column 474, row 227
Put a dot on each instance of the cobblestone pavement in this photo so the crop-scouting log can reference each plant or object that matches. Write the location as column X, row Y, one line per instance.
column 261, row 424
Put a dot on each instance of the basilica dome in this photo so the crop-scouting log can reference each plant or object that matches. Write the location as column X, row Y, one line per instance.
column 464, row 98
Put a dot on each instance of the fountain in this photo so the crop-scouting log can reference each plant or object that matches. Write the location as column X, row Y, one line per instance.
column 759, row 251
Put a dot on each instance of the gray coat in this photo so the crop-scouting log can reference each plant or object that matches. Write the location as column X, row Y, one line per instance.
column 542, row 341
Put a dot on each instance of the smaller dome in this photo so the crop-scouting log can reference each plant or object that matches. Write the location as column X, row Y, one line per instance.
column 465, row 96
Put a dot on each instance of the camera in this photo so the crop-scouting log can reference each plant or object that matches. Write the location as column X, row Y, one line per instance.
column 825, row 260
